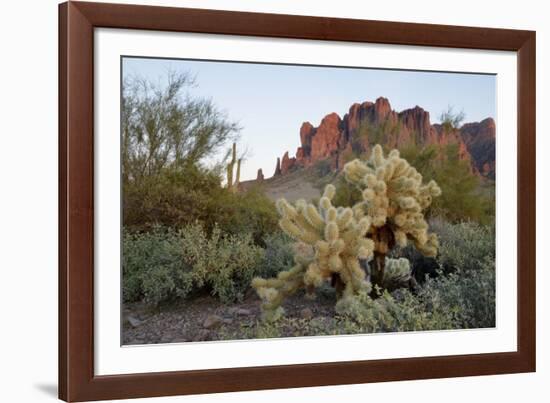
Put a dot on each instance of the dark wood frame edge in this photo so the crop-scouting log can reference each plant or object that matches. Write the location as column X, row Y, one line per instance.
column 77, row 381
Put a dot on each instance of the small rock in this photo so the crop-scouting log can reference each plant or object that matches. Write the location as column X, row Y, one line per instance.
column 179, row 340
column 243, row 312
column 233, row 310
column 212, row 321
column 202, row 335
column 134, row 322
column 306, row 313
column 228, row 321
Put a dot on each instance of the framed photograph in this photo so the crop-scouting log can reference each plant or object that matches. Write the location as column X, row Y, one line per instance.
column 256, row 201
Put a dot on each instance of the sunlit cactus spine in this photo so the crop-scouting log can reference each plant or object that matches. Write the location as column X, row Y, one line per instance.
column 395, row 198
column 331, row 242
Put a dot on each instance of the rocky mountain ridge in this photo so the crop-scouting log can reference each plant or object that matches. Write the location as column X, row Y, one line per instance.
column 337, row 139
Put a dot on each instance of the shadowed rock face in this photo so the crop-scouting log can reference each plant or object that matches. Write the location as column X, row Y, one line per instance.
column 480, row 143
column 278, row 167
column 337, row 137
column 287, row 163
column 307, row 131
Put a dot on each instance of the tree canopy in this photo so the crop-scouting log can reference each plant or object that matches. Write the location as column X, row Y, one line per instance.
column 163, row 126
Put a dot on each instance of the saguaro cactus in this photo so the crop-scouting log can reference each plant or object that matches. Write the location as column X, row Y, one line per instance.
column 395, row 198
column 331, row 243
column 233, row 186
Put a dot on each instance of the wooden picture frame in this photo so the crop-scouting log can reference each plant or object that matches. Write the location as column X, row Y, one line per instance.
column 77, row 21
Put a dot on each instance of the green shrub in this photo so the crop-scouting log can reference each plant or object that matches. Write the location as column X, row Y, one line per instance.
column 246, row 212
column 464, row 195
column 466, row 287
column 322, row 167
column 454, row 301
column 278, row 255
column 448, row 302
column 171, row 198
column 163, row 264
column 175, row 198
column 346, row 194
column 153, row 266
column 467, row 298
column 224, row 263
column 464, row 246
column 462, row 296
column 362, row 314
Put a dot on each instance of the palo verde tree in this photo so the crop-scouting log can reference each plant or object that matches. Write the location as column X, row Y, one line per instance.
column 450, row 120
column 333, row 241
column 164, row 126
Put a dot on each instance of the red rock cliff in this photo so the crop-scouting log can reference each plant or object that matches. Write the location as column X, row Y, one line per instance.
column 368, row 123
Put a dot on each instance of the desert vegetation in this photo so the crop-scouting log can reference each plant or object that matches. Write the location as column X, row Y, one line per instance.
column 396, row 240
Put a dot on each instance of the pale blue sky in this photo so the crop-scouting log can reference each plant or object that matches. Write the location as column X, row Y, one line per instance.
column 270, row 102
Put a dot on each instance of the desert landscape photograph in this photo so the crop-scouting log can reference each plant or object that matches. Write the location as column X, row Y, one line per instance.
column 269, row 200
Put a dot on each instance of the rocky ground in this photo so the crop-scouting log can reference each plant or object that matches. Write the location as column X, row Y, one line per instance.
column 205, row 318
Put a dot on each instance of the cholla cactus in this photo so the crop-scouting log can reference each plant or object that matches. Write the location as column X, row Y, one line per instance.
column 331, row 242
column 395, row 198
column 397, row 274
